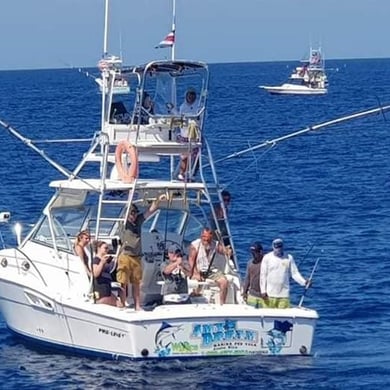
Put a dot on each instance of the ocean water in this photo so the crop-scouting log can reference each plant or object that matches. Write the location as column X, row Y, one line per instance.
column 325, row 193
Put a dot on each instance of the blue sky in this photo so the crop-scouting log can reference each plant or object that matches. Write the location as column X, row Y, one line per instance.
column 59, row 33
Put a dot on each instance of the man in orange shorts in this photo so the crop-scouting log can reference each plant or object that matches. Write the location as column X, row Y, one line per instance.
column 130, row 258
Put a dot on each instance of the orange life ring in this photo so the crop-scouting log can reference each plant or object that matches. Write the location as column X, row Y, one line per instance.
column 127, row 175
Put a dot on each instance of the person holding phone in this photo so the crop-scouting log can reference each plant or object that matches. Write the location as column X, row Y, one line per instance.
column 102, row 279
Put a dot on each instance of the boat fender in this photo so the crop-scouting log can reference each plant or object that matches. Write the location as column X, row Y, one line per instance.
column 127, row 175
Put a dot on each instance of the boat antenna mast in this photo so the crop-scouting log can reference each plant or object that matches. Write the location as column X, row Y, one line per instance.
column 173, row 30
column 170, row 39
column 105, row 33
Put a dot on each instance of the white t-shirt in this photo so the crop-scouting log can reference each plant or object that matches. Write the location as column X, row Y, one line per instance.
column 189, row 109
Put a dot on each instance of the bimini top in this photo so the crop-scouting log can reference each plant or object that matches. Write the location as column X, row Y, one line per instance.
column 177, row 66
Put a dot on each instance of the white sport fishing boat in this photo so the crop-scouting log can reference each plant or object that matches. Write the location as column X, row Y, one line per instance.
column 120, row 84
column 45, row 293
column 308, row 79
column 293, row 88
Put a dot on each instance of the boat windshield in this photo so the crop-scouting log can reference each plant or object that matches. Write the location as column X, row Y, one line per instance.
column 177, row 221
column 70, row 215
column 70, row 219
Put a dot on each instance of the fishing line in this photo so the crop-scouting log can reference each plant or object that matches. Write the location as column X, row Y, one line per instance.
column 249, row 166
column 307, row 253
column 380, row 106
column 256, row 160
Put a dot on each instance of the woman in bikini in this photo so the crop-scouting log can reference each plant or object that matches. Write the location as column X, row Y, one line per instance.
column 80, row 246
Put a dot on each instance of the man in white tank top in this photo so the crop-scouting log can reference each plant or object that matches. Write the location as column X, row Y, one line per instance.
column 201, row 257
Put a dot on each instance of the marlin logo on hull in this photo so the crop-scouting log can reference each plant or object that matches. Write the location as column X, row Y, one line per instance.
column 165, row 336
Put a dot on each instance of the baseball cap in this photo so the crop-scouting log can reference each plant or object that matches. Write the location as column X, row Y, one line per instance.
column 174, row 248
column 256, row 246
column 277, row 243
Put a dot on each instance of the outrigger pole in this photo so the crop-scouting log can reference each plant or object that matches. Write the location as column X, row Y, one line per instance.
column 66, row 172
column 274, row 141
column 29, row 143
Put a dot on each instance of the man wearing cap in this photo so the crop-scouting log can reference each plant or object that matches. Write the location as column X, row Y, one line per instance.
column 251, row 288
column 175, row 272
column 129, row 261
column 276, row 269
column 188, row 107
column 201, row 258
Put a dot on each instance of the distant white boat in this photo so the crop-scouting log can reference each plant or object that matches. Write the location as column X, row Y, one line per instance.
column 295, row 89
column 307, row 79
column 121, row 85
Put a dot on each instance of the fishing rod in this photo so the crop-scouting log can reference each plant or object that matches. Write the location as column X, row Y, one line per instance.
column 273, row 142
column 309, row 282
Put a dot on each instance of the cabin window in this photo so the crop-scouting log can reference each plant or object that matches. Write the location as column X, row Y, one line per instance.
column 43, row 235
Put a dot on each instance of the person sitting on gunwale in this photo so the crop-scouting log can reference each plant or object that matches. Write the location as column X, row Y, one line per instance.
column 201, row 258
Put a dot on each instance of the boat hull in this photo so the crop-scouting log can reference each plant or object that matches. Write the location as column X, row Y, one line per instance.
column 291, row 89
column 167, row 331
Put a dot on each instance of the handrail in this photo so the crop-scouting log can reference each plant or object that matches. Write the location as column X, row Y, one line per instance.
column 32, row 263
